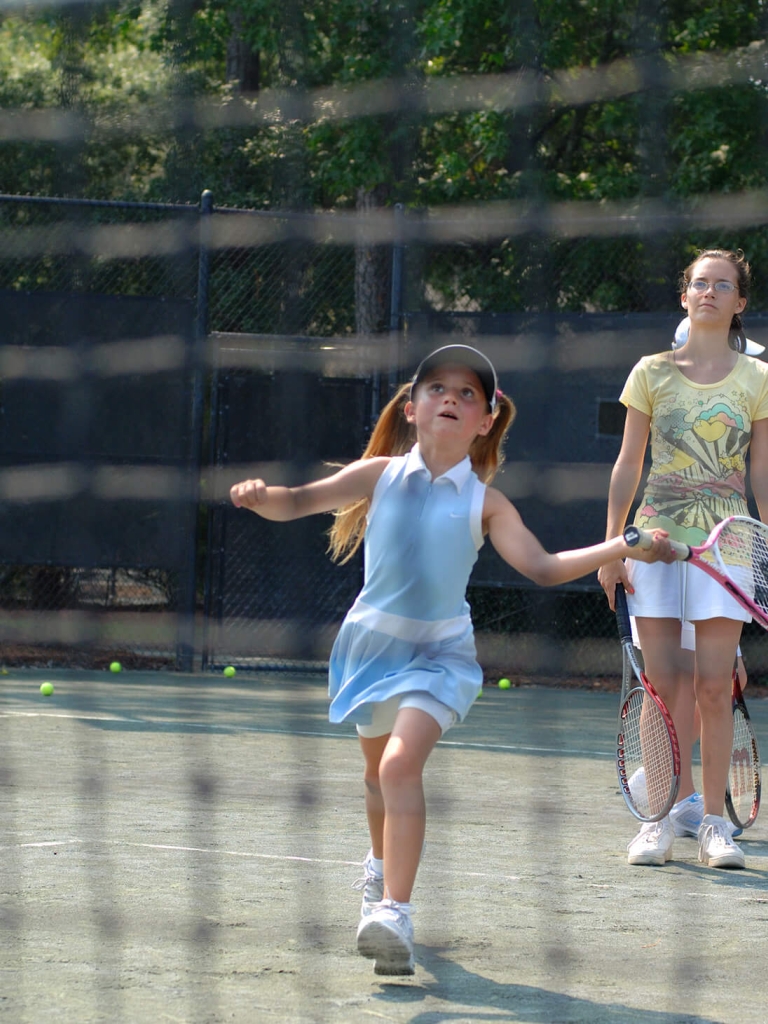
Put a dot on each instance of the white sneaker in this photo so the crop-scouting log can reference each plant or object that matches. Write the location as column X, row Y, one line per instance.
column 687, row 814
column 652, row 844
column 386, row 936
column 371, row 884
column 716, row 846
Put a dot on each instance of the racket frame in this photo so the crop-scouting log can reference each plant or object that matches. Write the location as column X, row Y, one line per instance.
column 634, row 535
column 628, row 693
column 739, row 707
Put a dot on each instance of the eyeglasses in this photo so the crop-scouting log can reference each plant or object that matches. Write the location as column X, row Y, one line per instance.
column 700, row 285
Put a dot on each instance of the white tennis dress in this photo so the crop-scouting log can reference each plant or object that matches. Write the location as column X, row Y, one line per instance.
column 410, row 629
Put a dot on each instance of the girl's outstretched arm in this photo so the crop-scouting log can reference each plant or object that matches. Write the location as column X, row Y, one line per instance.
column 282, row 504
column 520, row 548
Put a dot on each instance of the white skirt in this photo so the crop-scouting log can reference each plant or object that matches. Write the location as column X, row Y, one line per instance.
column 678, row 591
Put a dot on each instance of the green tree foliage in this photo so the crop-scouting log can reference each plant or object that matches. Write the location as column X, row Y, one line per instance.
column 652, row 137
column 100, row 67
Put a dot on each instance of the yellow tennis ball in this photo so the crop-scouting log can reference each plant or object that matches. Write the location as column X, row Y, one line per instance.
column 46, row 689
column 504, row 684
column 229, row 671
column 115, row 667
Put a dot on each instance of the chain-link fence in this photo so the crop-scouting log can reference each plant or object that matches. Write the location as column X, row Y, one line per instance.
column 110, row 248
column 575, row 275
column 96, row 387
column 272, row 595
column 282, row 289
column 275, row 303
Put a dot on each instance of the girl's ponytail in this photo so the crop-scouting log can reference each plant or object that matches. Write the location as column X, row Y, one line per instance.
column 487, row 452
column 392, row 435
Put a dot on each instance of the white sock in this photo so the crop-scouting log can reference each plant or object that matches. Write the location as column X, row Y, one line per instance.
column 377, row 865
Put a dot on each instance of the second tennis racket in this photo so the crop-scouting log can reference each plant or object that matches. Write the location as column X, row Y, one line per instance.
column 647, row 750
column 742, row 796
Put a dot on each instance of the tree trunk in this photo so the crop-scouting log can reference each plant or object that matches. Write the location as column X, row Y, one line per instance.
column 372, row 272
column 243, row 66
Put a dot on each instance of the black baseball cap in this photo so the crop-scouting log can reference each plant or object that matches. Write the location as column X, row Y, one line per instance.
column 463, row 355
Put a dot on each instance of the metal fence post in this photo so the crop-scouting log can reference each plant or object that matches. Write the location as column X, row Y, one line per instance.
column 395, row 319
column 203, row 292
column 185, row 655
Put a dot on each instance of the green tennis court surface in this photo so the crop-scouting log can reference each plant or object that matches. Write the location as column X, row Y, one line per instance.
column 183, row 849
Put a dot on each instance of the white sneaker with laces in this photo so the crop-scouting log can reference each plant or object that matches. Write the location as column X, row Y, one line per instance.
column 687, row 814
column 716, row 846
column 386, row 936
column 371, row 885
column 653, row 844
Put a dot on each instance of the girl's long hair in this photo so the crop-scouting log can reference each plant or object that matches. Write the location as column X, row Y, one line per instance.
column 394, row 435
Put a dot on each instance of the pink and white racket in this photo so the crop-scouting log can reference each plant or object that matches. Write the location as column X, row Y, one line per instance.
column 735, row 555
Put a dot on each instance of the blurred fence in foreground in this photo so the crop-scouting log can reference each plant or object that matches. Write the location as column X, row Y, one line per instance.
column 154, row 354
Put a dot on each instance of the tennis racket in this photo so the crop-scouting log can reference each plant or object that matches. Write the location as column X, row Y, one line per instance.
column 735, row 555
column 647, row 751
column 742, row 794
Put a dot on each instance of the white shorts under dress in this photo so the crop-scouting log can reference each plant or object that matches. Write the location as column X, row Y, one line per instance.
column 383, row 713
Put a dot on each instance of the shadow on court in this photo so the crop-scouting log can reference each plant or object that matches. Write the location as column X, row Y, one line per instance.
column 750, row 877
column 183, row 848
column 514, row 1002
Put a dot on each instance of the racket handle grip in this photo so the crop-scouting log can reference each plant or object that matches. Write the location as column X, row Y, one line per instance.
column 634, row 536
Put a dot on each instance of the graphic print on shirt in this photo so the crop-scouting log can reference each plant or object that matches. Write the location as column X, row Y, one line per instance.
column 699, row 463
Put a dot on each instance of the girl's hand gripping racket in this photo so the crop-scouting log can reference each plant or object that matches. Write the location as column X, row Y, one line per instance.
column 647, row 751
column 735, row 555
column 742, row 795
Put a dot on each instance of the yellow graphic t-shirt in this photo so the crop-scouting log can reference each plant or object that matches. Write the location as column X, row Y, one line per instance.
column 699, row 439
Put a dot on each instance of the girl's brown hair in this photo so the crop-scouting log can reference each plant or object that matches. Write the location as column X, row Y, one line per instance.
column 739, row 263
column 394, row 435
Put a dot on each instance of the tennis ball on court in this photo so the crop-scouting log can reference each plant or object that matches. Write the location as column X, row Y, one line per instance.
column 46, row 689
column 504, row 684
column 115, row 667
column 229, row 671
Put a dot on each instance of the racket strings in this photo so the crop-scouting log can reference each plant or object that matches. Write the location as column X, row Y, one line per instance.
column 742, row 554
column 648, row 755
column 743, row 777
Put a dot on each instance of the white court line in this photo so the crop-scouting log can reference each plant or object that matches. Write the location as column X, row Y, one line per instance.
column 234, row 729
column 248, row 855
column 80, row 717
column 527, row 750
column 614, row 888
column 48, row 842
